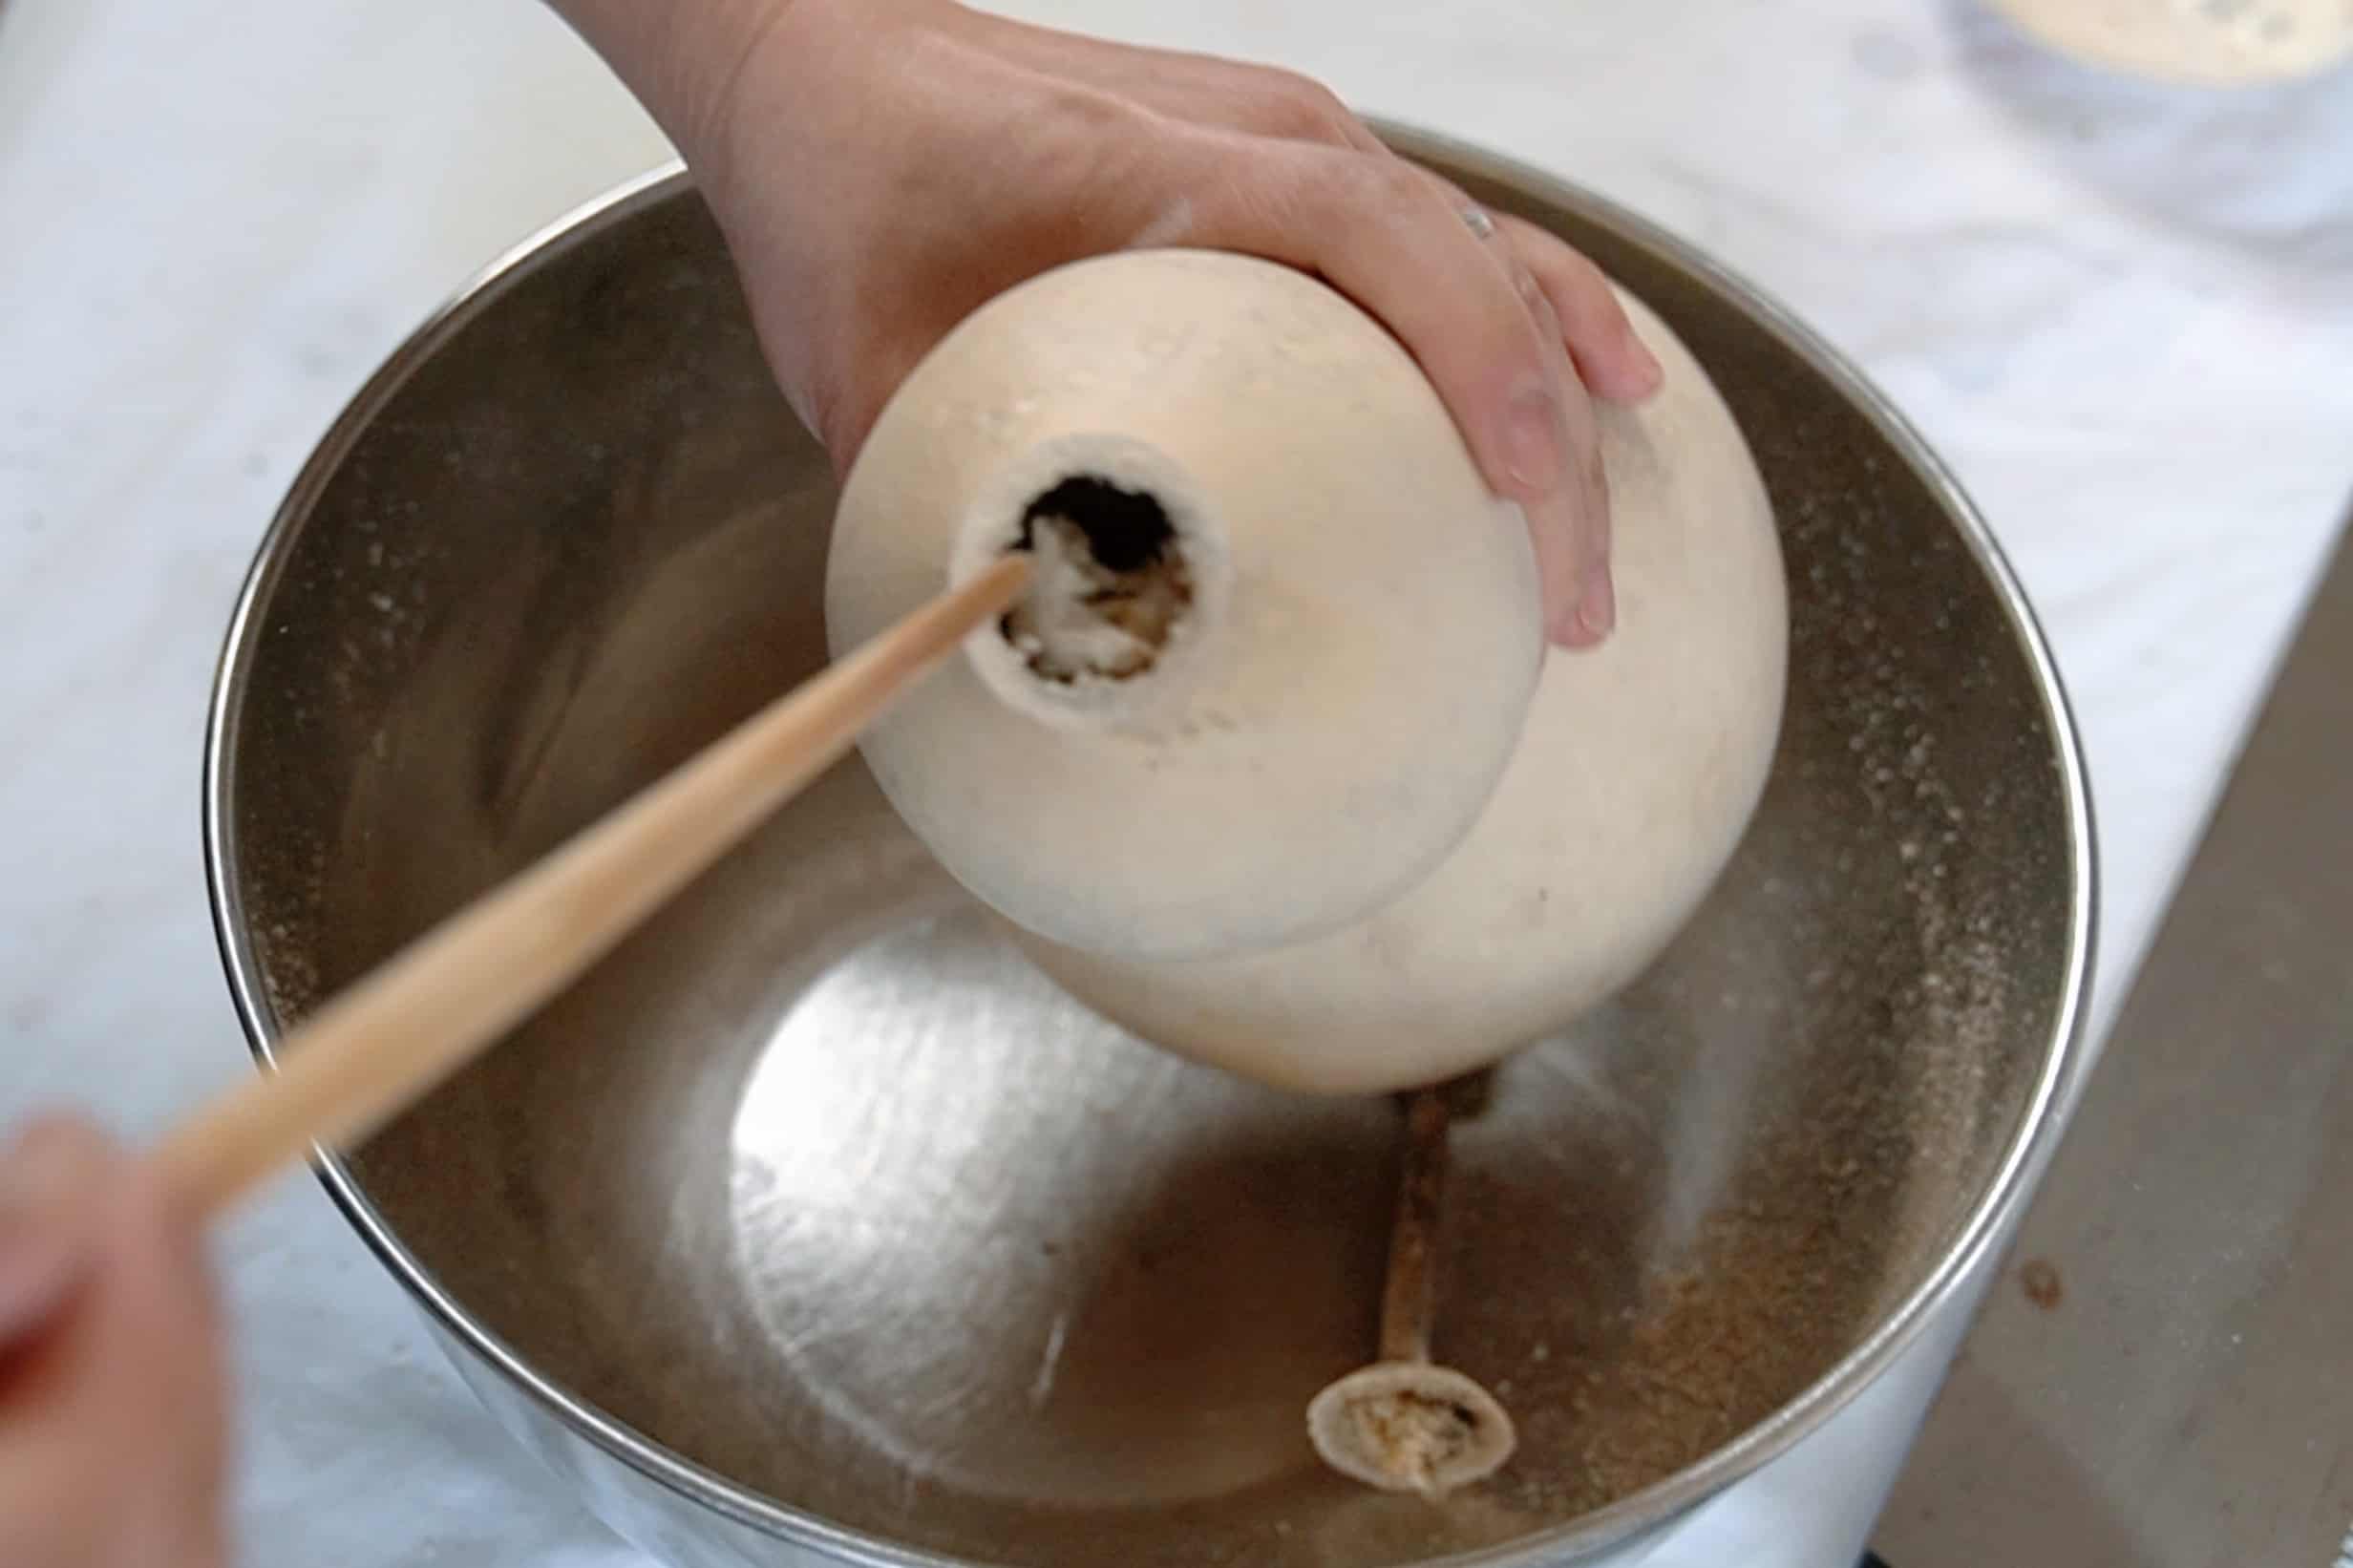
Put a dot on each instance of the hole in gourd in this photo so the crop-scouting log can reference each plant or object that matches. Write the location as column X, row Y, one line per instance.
column 1110, row 585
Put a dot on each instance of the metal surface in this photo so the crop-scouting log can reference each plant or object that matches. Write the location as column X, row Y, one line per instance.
column 815, row 1216
column 2164, row 1376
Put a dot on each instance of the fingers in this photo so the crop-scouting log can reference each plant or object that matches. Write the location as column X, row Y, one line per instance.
column 1274, row 104
column 156, row 1327
column 45, row 1223
column 1572, row 527
column 1610, row 358
column 1267, row 102
column 1130, row 147
column 1409, row 250
column 1231, row 95
column 1207, row 91
column 1380, row 234
column 111, row 1397
column 1204, row 89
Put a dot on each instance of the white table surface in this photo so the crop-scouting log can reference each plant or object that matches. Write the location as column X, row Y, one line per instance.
column 2125, row 315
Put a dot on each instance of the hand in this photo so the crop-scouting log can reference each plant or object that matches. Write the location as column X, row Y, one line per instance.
column 111, row 1398
column 883, row 167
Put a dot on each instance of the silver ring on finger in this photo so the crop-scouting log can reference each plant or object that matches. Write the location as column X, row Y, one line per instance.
column 1481, row 225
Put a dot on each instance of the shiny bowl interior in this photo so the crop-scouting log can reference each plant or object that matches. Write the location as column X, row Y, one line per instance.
column 816, row 1210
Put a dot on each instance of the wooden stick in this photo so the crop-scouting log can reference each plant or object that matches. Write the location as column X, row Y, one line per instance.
column 391, row 1036
column 1409, row 1298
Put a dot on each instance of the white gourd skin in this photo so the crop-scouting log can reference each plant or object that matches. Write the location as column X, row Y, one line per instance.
column 1333, row 713
column 1641, row 764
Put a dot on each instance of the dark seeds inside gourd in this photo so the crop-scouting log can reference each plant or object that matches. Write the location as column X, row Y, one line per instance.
column 1110, row 586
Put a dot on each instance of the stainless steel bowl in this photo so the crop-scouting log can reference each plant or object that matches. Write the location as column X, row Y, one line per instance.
column 816, row 1227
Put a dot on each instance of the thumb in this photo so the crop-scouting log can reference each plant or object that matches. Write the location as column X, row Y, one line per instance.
column 45, row 1244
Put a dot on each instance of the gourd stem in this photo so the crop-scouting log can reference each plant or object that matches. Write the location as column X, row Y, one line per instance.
column 1408, row 1300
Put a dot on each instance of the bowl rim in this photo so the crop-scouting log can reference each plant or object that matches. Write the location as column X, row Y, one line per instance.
column 2064, row 1064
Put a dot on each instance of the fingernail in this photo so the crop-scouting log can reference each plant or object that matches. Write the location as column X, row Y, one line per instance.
column 1568, row 629
column 1533, row 452
column 1590, row 617
column 1596, row 609
column 39, row 1253
column 1647, row 370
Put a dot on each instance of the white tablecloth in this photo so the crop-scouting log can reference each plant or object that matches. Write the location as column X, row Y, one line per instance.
column 2125, row 315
